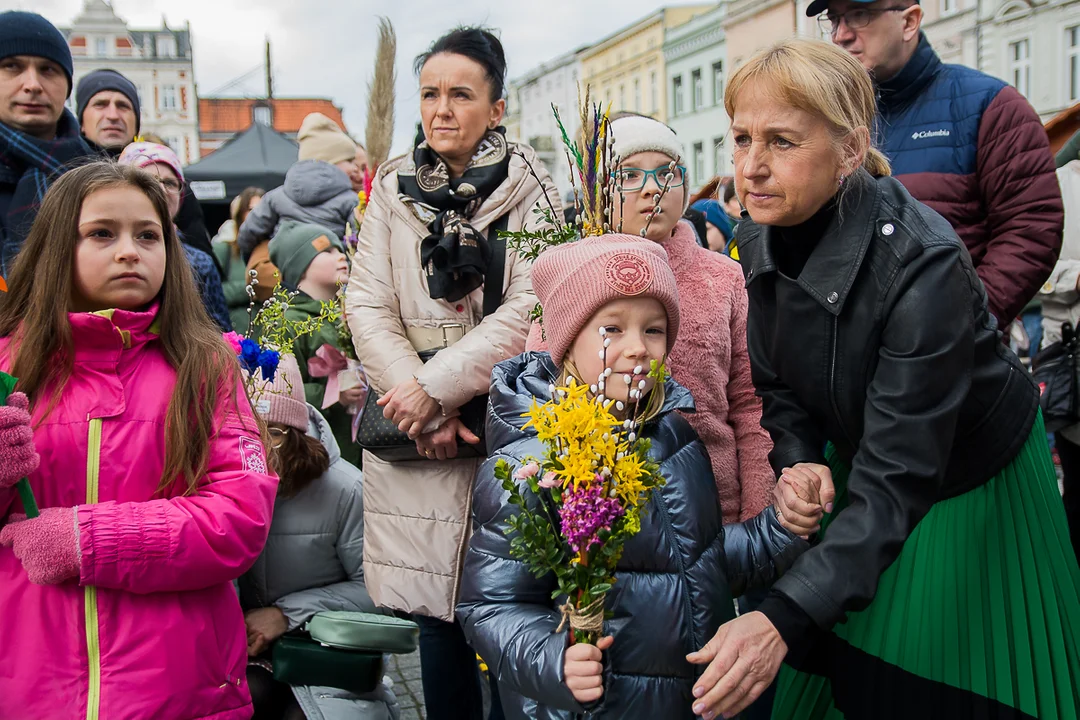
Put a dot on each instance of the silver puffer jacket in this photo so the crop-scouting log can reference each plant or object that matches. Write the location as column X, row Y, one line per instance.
column 674, row 584
column 314, row 561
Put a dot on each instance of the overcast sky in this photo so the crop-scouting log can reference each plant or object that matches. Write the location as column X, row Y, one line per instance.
column 326, row 48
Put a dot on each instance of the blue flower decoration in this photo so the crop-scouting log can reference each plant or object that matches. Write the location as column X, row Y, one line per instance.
column 249, row 355
column 268, row 361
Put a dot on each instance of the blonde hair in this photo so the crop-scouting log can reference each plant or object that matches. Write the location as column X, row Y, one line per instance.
column 822, row 79
column 653, row 405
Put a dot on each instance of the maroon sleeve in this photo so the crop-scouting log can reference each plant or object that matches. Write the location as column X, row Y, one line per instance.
column 1022, row 200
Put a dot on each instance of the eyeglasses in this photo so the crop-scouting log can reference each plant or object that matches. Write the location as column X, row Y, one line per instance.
column 629, row 178
column 855, row 18
column 277, row 436
column 172, row 186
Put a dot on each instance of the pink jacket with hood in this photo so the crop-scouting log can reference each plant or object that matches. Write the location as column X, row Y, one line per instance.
column 152, row 628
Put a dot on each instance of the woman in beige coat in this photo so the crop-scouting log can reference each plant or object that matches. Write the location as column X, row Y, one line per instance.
column 416, row 286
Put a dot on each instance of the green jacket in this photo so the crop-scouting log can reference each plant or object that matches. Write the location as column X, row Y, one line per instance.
column 304, row 306
column 234, row 285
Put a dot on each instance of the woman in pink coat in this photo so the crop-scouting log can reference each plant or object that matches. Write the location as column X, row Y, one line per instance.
column 116, row 603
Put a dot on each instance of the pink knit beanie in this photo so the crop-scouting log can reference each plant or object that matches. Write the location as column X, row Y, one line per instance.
column 282, row 401
column 573, row 281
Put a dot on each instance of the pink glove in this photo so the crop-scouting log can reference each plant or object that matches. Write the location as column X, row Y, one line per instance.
column 47, row 545
column 17, row 455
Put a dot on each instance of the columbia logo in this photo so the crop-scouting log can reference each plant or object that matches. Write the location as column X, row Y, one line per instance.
column 923, row 134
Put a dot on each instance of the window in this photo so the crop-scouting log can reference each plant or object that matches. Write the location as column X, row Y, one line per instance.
column 637, row 95
column 720, row 156
column 1072, row 59
column 99, row 47
column 676, row 95
column 166, row 46
column 698, row 89
column 699, row 164
column 655, row 88
column 1020, row 65
column 718, row 83
column 261, row 114
column 168, row 97
column 622, row 97
column 948, row 6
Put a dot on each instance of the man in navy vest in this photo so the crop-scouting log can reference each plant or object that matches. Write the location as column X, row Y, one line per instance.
column 963, row 142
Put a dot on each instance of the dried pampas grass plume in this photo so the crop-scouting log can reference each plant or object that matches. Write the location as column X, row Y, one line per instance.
column 380, row 112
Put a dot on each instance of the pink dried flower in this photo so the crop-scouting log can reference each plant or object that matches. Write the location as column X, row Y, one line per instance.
column 527, row 471
column 233, row 340
column 549, row 480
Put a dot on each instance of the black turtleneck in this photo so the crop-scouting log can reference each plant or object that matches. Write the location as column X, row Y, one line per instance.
column 794, row 245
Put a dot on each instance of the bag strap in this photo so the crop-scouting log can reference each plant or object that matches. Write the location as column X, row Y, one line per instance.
column 493, row 280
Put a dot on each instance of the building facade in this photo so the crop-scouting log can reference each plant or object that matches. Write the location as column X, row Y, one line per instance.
column 695, row 54
column 553, row 83
column 221, row 118
column 158, row 62
column 626, row 70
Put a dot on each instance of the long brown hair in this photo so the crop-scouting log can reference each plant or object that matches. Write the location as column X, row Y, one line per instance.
column 34, row 314
column 299, row 461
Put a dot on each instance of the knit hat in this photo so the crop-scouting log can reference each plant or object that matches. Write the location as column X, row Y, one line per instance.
column 145, row 154
column 323, row 139
column 26, row 33
column 715, row 214
column 635, row 134
column 101, row 80
column 295, row 245
column 282, row 401
column 573, row 281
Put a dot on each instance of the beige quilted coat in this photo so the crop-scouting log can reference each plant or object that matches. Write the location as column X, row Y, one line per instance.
column 417, row 515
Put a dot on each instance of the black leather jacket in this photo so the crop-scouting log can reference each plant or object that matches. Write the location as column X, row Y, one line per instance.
column 674, row 583
column 884, row 346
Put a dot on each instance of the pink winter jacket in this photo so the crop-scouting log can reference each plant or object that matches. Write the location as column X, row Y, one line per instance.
column 153, row 627
column 710, row 359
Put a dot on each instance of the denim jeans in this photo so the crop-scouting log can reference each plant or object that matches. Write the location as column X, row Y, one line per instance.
column 450, row 674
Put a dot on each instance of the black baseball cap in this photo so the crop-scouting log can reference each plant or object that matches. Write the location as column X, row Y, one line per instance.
column 819, row 6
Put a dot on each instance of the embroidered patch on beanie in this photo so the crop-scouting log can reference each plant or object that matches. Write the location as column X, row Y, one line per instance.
column 628, row 274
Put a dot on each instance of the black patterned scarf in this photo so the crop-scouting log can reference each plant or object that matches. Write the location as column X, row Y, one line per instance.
column 455, row 255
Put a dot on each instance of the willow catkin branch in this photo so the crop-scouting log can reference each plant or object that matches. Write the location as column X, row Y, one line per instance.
column 380, row 113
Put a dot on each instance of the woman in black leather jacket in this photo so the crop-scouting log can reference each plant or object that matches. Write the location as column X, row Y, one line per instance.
column 942, row 583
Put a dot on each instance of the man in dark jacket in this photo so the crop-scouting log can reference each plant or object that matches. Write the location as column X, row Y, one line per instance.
column 107, row 105
column 965, row 143
column 109, row 111
column 39, row 139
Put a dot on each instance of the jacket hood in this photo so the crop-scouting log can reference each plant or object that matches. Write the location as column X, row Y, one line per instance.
column 313, row 182
column 319, row 429
column 516, row 382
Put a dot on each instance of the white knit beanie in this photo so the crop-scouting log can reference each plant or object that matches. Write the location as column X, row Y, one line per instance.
column 323, row 139
column 636, row 134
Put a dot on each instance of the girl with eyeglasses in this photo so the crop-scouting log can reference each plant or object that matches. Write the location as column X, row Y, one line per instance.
column 162, row 162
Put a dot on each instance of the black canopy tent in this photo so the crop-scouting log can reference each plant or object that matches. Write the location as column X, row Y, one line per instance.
column 259, row 157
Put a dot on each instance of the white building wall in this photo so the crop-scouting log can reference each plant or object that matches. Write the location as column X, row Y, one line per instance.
column 553, row 83
column 702, row 127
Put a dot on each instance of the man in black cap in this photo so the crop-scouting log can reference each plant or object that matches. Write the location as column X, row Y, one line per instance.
column 107, row 105
column 39, row 138
column 965, row 143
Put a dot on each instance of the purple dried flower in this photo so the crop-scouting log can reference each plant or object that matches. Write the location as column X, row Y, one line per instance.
column 585, row 512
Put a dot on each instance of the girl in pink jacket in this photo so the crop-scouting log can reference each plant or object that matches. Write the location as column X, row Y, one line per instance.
column 116, row 603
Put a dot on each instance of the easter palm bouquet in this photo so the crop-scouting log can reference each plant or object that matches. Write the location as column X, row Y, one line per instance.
column 583, row 498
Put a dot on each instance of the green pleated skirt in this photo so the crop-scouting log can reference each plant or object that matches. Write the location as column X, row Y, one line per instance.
column 979, row 616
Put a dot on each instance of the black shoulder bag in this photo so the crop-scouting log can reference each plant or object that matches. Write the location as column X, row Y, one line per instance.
column 382, row 438
column 1055, row 369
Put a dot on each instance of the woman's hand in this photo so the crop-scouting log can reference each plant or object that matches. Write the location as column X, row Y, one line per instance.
column 264, row 626
column 409, row 407
column 442, row 444
column 744, row 657
column 583, row 672
column 800, row 497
